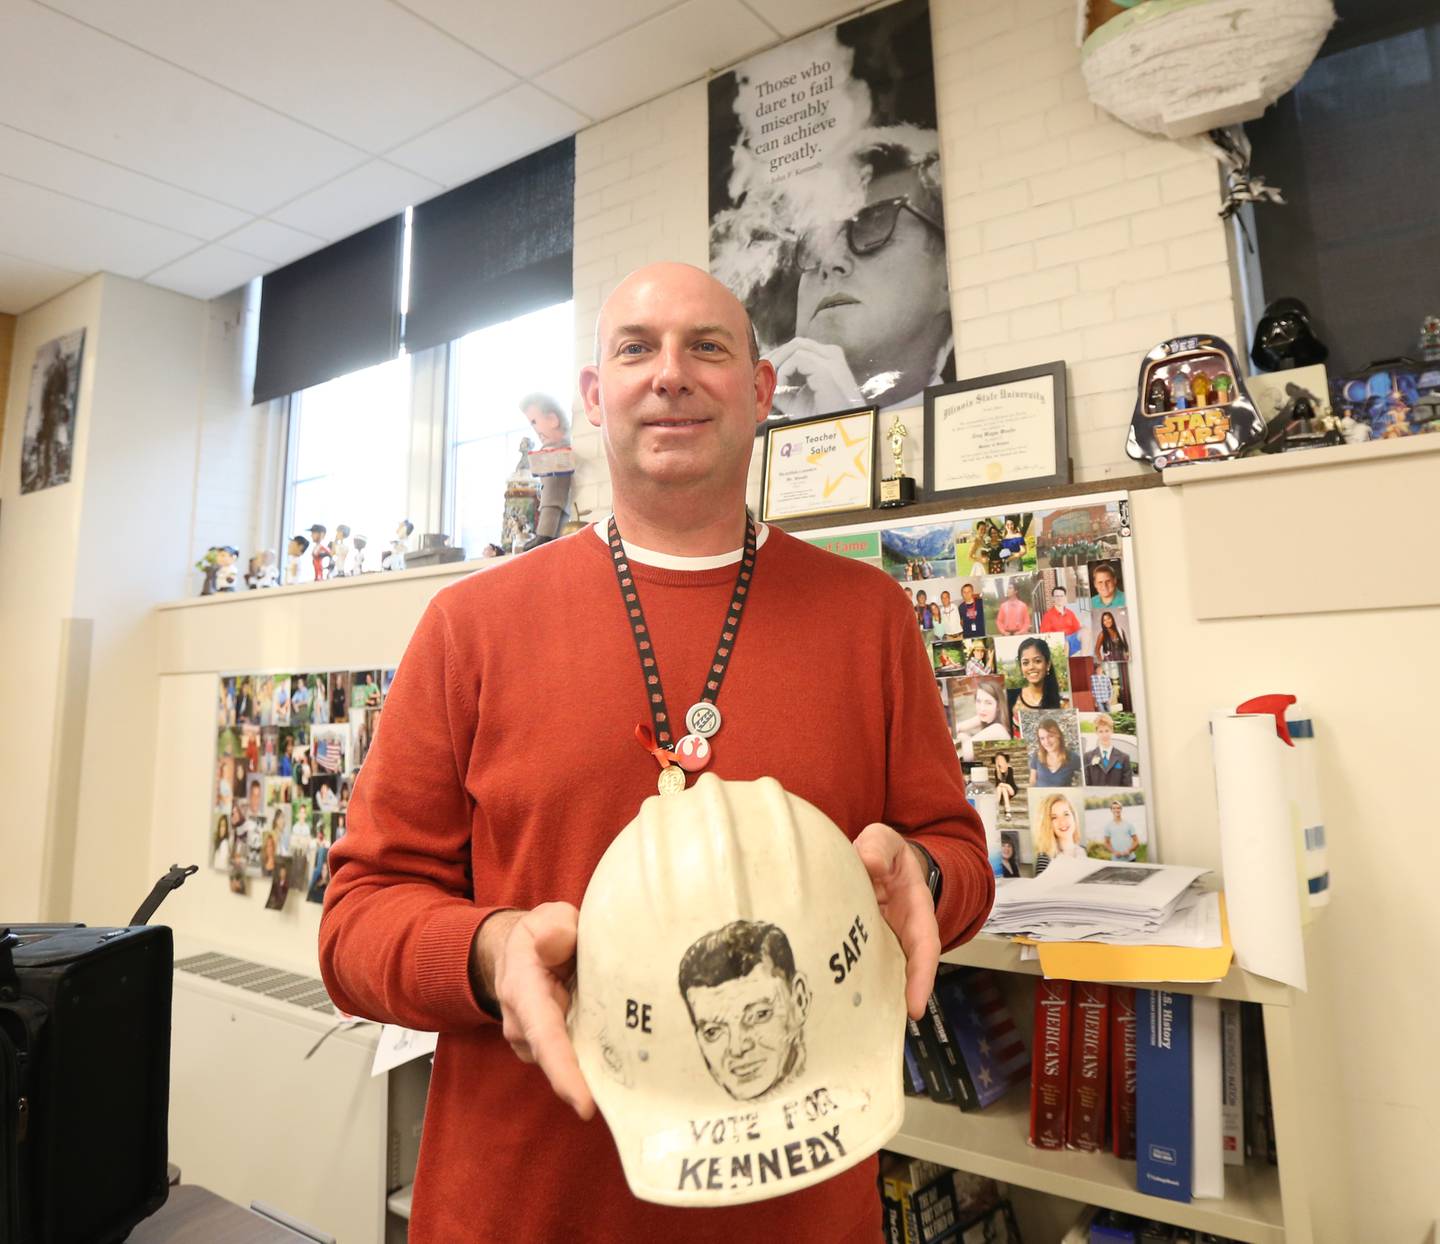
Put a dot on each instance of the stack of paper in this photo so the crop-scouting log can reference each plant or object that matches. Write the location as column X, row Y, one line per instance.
column 1097, row 900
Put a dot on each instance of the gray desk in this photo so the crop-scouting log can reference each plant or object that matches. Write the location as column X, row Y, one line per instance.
column 195, row 1215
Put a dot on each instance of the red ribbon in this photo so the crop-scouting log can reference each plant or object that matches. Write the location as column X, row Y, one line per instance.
column 646, row 738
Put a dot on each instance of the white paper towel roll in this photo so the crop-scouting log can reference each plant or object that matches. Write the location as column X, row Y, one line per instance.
column 1257, row 846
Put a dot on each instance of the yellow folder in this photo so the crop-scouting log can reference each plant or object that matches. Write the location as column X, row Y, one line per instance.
column 1094, row 961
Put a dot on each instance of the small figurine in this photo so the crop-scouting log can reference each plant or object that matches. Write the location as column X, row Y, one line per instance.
column 209, row 566
column 1352, row 429
column 492, row 550
column 1222, row 389
column 522, row 503
column 395, row 558
column 355, row 561
column 225, row 572
column 1200, row 387
column 295, row 550
column 1284, row 338
column 319, row 554
column 552, row 426
column 340, row 551
column 1157, row 397
column 1430, row 339
column 268, row 570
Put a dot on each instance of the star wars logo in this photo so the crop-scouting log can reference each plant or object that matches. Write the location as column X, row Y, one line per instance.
column 1199, row 428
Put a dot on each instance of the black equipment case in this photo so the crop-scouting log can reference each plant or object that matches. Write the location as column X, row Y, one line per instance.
column 84, row 1077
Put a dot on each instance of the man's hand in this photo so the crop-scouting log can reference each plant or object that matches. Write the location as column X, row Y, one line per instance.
column 904, row 900
column 524, row 960
column 812, row 378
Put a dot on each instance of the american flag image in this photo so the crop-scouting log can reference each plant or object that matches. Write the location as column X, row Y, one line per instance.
column 993, row 1049
column 328, row 755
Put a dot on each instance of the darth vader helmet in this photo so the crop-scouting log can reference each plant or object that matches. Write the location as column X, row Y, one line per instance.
column 1285, row 338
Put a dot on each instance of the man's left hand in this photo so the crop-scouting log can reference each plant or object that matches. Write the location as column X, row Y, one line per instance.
column 904, row 901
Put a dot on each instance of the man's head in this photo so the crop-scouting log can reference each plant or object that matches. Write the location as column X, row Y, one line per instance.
column 1104, row 731
column 748, row 1006
column 1103, row 580
column 677, row 387
column 967, row 591
column 549, row 421
column 945, row 598
column 875, row 284
column 1059, row 596
column 1115, row 808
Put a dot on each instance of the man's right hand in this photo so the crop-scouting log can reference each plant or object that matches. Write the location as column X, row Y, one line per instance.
column 524, row 961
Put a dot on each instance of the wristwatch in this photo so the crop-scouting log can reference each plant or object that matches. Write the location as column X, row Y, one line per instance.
column 932, row 872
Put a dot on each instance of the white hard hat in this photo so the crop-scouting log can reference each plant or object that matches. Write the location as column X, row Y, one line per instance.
column 739, row 1008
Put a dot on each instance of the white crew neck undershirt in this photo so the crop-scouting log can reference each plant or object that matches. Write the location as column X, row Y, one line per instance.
column 673, row 561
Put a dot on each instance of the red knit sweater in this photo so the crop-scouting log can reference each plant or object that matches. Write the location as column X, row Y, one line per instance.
column 505, row 764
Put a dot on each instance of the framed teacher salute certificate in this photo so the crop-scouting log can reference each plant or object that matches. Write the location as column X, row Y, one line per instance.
column 997, row 432
column 819, row 465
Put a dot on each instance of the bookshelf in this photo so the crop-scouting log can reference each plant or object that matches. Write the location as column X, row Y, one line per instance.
column 1262, row 1204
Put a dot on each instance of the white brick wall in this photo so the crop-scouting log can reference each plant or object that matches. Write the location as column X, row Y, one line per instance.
column 1070, row 235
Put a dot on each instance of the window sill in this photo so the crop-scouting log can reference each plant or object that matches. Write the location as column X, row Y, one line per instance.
column 455, row 570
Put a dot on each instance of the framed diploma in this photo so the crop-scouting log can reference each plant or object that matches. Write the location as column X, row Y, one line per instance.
column 821, row 465
column 996, row 433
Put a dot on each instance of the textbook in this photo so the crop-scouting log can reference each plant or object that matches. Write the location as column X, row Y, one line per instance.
column 991, row 1048
column 1164, row 1145
column 1089, row 1067
column 1208, row 1177
column 1232, row 1097
column 1122, row 1071
column 1050, row 1066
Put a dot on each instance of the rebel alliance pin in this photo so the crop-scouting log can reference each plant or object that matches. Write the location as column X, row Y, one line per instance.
column 703, row 718
column 693, row 753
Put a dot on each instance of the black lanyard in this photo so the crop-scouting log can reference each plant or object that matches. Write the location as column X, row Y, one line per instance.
column 649, row 666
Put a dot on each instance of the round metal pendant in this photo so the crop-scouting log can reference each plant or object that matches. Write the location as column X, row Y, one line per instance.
column 703, row 718
column 672, row 780
column 693, row 753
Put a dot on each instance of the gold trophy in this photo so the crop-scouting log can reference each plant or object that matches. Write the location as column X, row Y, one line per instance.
column 897, row 488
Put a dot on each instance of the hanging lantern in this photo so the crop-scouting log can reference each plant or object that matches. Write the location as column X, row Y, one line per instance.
column 1184, row 67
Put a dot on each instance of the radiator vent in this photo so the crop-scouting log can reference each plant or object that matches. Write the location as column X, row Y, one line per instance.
column 302, row 991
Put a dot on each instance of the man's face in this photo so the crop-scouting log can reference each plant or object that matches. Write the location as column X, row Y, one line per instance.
column 945, row 599
column 544, row 424
column 1115, row 810
column 967, row 592
column 674, row 391
column 888, row 309
column 750, row 1029
column 1103, row 734
column 1058, row 596
column 1104, row 584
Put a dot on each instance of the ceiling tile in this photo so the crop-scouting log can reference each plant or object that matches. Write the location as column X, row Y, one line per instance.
column 24, row 284
column 516, row 123
column 365, row 71
column 267, row 240
column 75, row 86
column 656, row 57
column 793, row 17
column 209, row 272
column 32, row 159
column 50, row 228
column 356, row 200
column 527, row 38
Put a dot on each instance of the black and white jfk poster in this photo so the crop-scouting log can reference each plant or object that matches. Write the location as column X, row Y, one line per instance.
column 48, row 446
column 826, row 212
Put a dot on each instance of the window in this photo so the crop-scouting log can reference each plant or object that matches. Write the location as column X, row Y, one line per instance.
column 492, row 370
column 349, row 459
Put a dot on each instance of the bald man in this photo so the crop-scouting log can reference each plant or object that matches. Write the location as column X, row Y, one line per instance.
column 495, row 786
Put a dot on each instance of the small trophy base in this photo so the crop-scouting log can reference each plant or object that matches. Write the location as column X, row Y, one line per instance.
column 896, row 492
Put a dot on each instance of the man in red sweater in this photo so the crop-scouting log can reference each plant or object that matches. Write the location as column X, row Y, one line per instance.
column 496, row 782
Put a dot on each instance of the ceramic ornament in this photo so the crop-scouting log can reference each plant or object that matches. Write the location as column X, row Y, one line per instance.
column 739, row 1006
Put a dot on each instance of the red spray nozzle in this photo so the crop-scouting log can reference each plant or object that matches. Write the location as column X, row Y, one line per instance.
column 1275, row 705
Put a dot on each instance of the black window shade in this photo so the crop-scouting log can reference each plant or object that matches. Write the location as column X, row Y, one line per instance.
column 492, row 249
column 331, row 313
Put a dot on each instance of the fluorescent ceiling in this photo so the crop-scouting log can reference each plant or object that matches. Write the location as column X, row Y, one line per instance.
column 196, row 144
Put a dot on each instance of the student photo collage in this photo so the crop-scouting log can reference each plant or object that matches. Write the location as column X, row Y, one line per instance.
column 1030, row 644
column 288, row 750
